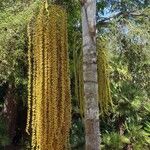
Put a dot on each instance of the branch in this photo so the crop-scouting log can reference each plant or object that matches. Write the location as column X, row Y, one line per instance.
column 112, row 17
column 133, row 14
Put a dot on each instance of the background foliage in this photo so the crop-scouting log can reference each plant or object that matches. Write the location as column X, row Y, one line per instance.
column 125, row 25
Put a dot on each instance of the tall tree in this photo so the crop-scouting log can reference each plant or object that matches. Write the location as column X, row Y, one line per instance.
column 91, row 111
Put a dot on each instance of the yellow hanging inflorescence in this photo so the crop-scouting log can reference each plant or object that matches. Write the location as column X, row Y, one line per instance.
column 81, row 83
column 78, row 72
column 49, row 100
column 103, row 79
column 104, row 93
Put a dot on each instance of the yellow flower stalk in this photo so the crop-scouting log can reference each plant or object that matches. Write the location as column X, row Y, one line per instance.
column 103, row 79
column 29, row 78
column 49, row 100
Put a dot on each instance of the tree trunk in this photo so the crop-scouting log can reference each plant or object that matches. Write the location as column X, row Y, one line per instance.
column 91, row 111
column 10, row 111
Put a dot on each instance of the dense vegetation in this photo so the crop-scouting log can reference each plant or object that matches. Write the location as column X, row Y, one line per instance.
column 124, row 28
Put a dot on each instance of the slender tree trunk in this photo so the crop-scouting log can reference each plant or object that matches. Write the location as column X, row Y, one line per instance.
column 90, row 75
column 10, row 111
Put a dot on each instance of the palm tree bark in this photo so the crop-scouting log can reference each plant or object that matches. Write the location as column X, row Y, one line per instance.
column 92, row 128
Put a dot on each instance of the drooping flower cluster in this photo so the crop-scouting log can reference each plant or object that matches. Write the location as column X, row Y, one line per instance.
column 104, row 93
column 49, row 102
column 105, row 99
